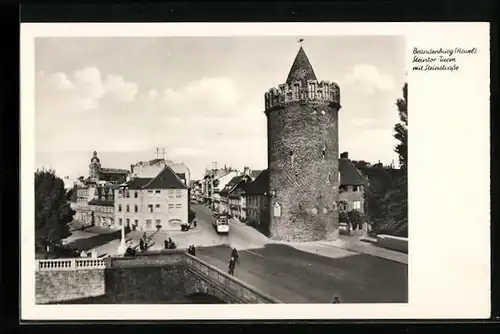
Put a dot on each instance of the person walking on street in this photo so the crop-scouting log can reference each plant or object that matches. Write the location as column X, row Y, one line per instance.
column 234, row 253
column 232, row 265
column 141, row 245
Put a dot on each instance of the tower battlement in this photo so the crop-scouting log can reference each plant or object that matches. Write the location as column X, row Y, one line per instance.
column 310, row 91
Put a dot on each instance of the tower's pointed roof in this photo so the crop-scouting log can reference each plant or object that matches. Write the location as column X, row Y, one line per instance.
column 301, row 69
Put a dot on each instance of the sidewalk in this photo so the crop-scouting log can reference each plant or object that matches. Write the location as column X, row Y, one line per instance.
column 358, row 246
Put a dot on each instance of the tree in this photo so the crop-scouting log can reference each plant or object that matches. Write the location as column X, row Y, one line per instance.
column 397, row 198
column 343, row 217
column 401, row 128
column 356, row 218
column 52, row 210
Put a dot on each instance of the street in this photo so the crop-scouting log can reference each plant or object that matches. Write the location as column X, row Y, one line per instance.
column 295, row 276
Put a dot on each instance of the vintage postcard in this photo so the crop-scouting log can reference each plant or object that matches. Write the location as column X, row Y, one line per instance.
column 274, row 171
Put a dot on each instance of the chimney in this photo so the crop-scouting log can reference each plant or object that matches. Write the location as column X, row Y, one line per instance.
column 246, row 170
column 344, row 155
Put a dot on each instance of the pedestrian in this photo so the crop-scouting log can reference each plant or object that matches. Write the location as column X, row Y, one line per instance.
column 234, row 253
column 194, row 250
column 141, row 245
column 232, row 265
column 166, row 244
column 336, row 300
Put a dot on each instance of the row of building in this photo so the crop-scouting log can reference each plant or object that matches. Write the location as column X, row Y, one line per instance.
column 152, row 194
column 246, row 195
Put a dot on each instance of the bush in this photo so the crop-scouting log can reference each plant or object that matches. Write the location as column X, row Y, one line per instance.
column 343, row 217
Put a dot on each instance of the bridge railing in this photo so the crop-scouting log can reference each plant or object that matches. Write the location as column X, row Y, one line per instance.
column 237, row 287
column 70, row 264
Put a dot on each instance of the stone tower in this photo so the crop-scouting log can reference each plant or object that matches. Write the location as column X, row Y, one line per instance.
column 303, row 157
column 94, row 167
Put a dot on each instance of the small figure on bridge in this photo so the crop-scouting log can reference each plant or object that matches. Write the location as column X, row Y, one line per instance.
column 234, row 253
column 169, row 244
column 192, row 250
column 232, row 265
column 336, row 300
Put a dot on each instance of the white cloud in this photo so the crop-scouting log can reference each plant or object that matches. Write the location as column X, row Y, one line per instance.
column 152, row 94
column 369, row 78
column 207, row 96
column 84, row 90
column 121, row 90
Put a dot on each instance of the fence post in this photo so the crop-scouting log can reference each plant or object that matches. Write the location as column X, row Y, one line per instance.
column 73, row 264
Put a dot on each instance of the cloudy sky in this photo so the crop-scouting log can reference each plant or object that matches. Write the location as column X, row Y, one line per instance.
column 202, row 99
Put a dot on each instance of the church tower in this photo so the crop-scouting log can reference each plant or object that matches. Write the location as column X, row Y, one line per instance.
column 94, row 167
column 303, row 155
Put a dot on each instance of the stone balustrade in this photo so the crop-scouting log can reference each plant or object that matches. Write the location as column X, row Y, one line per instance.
column 237, row 288
column 71, row 264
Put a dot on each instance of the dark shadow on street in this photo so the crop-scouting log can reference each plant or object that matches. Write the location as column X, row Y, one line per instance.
column 192, row 216
column 95, row 241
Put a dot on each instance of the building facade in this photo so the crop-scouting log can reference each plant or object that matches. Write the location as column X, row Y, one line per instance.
column 352, row 186
column 303, row 156
column 220, row 203
column 147, row 204
column 257, row 200
column 95, row 194
column 196, row 194
column 232, row 200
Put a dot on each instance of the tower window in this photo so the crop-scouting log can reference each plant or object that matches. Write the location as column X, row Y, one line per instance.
column 324, row 150
column 291, row 157
column 296, row 91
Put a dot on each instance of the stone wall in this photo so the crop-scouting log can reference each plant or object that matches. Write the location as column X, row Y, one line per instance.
column 305, row 184
column 60, row 285
column 145, row 285
column 160, row 277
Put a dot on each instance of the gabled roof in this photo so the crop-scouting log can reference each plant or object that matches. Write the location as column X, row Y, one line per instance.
column 301, row 69
column 255, row 173
column 138, row 182
column 166, row 179
column 232, row 184
column 260, row 185
column 113, row 171
column 101, row 202
column 349, row 174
